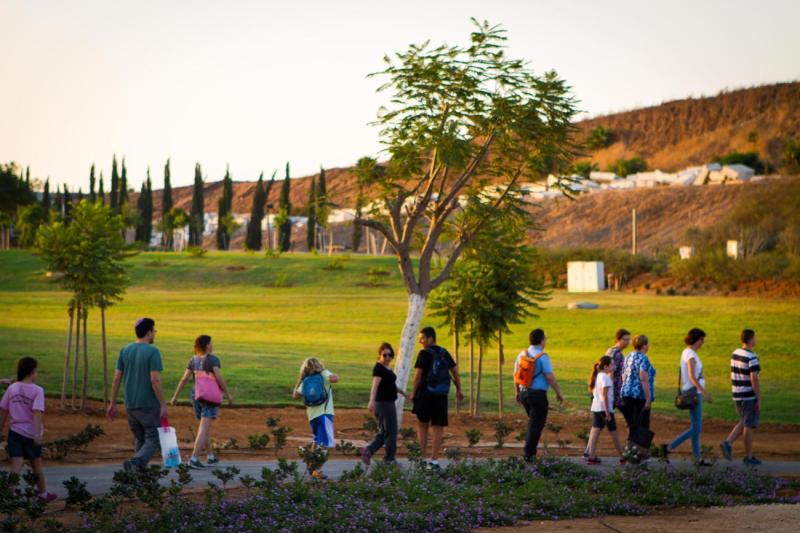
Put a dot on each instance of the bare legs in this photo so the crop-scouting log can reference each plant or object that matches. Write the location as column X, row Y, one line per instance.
column 203, row 440
column 36, row 466
column 437, row 433
column 737, row 432
column 594, row 436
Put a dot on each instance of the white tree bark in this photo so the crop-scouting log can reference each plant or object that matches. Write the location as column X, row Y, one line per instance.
column 408, row 343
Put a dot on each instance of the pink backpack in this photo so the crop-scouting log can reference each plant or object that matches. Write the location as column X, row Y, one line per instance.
column 206, row 388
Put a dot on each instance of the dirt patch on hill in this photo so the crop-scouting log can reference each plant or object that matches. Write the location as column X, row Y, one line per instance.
column 773, row 441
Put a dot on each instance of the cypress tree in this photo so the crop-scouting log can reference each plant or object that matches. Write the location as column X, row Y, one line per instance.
column 166, row 205
column 28, row 177
column 148, row 218
column 254, row 236
column 46, row 197
column 101, row 194
column 123, row 186
column 321, row 212
column 141, row 207
column 67, row 203
column 92, row 195
column 223, row 209
column 312, row 220
column 285, row 211
column 80, row 195
column 196, row 214
column 58, row 205
column 114, row 185
column 358, row 231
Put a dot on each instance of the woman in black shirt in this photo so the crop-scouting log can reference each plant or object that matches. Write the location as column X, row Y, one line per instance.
column 382, row 399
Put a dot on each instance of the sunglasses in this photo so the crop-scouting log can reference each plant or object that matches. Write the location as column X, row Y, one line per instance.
column 390, row 355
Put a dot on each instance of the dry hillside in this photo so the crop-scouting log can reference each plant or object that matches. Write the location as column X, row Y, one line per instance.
column 687, row 132
column 603, row 219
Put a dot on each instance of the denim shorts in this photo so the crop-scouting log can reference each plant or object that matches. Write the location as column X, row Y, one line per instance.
column 599, row 421
column 747, row 413
column 22, row 446
column 204, row 410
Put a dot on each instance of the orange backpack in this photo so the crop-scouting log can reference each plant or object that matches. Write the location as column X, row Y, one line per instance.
column 524, row 374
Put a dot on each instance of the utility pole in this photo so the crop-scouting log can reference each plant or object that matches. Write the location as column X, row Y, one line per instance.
column 633, row 232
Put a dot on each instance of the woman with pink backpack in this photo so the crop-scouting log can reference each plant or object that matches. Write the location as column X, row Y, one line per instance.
column 209, row 387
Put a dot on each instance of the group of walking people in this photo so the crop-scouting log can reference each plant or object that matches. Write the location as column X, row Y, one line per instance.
column 617, row 382
column 627, row 383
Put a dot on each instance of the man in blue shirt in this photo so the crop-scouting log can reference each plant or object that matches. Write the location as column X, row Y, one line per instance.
column 534, row 398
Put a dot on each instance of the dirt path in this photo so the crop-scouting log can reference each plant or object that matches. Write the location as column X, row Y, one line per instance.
column 772, row 518
column 773, row 441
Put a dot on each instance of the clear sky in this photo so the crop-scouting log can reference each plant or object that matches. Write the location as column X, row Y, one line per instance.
column 258, row 83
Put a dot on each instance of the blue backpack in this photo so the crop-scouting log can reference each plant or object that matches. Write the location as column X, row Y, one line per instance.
column 314, row 391
column 439, row 375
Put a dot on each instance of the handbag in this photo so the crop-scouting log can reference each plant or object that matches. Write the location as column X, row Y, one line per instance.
column 206, row 387
column 687, row 399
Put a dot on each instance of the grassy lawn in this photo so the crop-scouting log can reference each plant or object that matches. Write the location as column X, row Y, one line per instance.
column 262, row 332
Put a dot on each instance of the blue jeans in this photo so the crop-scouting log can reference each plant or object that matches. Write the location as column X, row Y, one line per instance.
column 696, row 418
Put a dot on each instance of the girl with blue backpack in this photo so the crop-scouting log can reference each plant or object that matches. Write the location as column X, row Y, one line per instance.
column 314, row 386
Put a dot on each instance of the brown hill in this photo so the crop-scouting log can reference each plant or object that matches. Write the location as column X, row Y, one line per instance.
column 663, row 214
column 687, row 132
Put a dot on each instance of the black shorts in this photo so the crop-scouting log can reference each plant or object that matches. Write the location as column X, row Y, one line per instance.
column 599, row 421
column 431, row 408
column 22, row 446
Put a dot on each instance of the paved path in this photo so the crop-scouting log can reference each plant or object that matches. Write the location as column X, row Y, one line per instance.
column 98, row 477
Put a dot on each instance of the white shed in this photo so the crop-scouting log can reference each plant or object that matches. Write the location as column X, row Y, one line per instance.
column 603, row 177
column 586, row 276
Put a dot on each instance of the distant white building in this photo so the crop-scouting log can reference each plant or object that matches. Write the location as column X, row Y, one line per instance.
column 735, row 173
column 603, row 177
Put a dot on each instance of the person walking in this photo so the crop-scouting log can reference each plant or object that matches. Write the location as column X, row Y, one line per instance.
column 638, row 392
column 622, row 340
column 207, row 365
column 139, row 370
column 691, row 369
column 314, row 385
column 746, row 388
column 602, row 388
column 434, row 370
column 382, row 399
column 23, row 404
column 533, row 376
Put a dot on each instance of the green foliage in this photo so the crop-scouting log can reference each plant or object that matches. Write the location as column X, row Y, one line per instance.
column 347, row 448
column 453, row 453
column 114, row 198
column 77, row 494
column 790, row 156
column 254, row 236
column 61, row 448
column 144, row 206
column 279, row 437
column 408, row 433
column 334, row 264
column 370, row 423
column 282, row 221
column 751, row 159
column 226, row 475
column 552, row 263
column 600, row 137
column 226, row 224
column 258, row 442
column 197, row 252
column 622, row 167
column 501, row 430
column 313, row 456
column 29, row 219
column 473, row 436
column 311, row 226
column 14, row 191
column 413, row 452
column 584, row 168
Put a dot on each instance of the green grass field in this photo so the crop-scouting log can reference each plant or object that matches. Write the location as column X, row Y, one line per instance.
column 262, row 333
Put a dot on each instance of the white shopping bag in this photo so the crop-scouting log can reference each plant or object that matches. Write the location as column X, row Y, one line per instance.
column 170, row 452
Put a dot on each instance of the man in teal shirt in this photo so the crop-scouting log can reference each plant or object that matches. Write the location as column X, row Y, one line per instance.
column 139, row 371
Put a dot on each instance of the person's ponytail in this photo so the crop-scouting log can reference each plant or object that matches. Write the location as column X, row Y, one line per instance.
column 593, row 377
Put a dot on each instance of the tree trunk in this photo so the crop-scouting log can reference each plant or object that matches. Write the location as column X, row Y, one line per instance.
column 408, row 341
column 480, row 375
column 85, row 362
column 500, row 362
column 67, row 353
column 455, row 354
column 105, row 353
column 77, row 356
column 471, row 373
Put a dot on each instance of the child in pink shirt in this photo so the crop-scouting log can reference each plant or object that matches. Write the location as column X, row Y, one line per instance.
column 23, row 403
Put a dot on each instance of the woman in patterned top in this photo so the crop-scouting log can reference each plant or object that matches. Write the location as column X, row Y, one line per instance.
column 638, row 386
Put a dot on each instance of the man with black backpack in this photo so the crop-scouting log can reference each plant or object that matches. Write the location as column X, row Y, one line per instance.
column 434, row 368
column 533, row 375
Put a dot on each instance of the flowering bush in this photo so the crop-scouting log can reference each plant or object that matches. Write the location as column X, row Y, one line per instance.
column 313, row 456
column 463, row 496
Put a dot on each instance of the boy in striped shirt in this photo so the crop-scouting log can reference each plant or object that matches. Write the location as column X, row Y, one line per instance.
column 746, row 389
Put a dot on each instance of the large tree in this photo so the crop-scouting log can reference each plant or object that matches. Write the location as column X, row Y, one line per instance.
column 283, row 220
column 224, row 207
column 46, row 196
column 254, row 237
column 196, row 213
column 114, row 199
column 463, row 122
column 101, row 193
column 166, row 206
